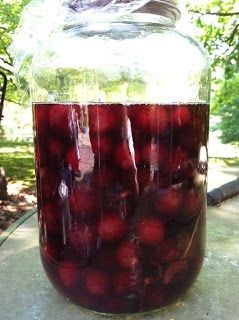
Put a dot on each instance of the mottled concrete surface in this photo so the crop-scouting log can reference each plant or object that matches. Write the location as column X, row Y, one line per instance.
column 26, row 294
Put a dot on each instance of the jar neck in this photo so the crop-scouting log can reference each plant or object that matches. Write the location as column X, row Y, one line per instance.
column 162, row 12
column 166, row 9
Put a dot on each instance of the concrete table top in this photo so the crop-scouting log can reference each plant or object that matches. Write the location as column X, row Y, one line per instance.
column 26, row 294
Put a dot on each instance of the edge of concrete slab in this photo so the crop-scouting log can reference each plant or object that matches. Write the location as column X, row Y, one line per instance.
column 6, row 233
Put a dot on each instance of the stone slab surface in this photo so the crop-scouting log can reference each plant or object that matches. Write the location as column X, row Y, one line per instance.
column 26, row 293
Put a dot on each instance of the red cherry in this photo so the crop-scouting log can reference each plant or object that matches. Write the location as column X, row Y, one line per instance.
column 168, row 251
column 191, row 137
column 193, row 201
column 160, row 119
column 59, row 119
column 82, row 243
column 102, row 119
column 49, row 182
column 123, row 156
column 55, row 148
column 73, row 158
column 41, row 118
column 127, row 255
column 83, row 239
column 50, row 216
column 179, row 159
column 101, row 145
column 180, row 116
column 154, row 154
column 68, row 274
column 112, row 227
column 175, row 272
column 150, row 231
column 83, row 200
column 150, row 118
column 41, row 153
column 123, row 282
column 169, row 202
column 97, row 282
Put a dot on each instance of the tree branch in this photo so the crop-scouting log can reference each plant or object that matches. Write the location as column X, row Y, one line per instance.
column 6, row 62
column 221, row 14
column 6, row 52
column 232, row 35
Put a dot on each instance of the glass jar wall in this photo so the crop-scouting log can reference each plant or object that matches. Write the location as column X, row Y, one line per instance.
column 121, row 126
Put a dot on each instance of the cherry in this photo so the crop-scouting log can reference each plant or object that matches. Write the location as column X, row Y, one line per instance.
column 175, row 272
column 150, row 231
column 67, row 273
column 83, row 200
column 48, row 182
column 190, row 137
column 123, row 157
column 102, row 119
column 112, row 227
column 41, row 120
column 180, row 117
column 179, row 159
column 167, row 251
column 127, row 255
column 102, row 146
column 83, row 239
column 160, row 120
column 41, row 153
column 55, row 149
column 97, row 282
column 193, row 201
column 150, row 118
column 169, row 202
column 73, row 158
column 123, row 282
column 59, row 119
column 51, row 217
column 155, row 154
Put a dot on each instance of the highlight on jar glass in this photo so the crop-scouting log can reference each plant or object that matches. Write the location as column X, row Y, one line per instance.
column 121, row 109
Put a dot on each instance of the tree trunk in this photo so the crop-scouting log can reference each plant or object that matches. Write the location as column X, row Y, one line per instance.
column 3, row 185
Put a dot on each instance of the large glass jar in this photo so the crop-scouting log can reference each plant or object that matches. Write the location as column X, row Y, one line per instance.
column 121, row 111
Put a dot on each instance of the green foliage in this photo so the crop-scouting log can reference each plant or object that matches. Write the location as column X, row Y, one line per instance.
column 226, row 105
column 17, row 159
column 10, row 12
column 218, row 23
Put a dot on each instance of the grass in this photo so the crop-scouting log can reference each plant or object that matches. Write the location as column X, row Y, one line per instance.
column 17, row 159
column 225, row 161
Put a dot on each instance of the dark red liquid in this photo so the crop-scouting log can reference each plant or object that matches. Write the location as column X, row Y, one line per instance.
column 121, row 198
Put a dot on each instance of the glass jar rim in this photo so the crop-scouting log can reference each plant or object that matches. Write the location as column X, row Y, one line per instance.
column 162, row 12
column 166, row 8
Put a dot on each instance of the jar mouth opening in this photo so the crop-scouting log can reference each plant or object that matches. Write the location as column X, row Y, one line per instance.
column 162, row 12
column 166, row 9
